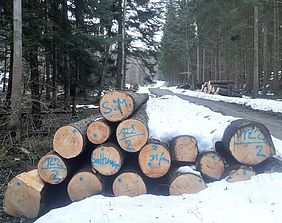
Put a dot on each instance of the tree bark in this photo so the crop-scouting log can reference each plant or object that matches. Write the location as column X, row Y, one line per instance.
column 256, row 54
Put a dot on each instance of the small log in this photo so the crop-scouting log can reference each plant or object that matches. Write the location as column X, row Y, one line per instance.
column 99, row 131
column 70, row 140
column 119, row 105
column 52, row 168
column 248, row 142
column 84, row 184
column 270, row 165
column 242, row 173
column 132, row 134
column 24, row 196
column 185, row 183
column 107, row 159
column 154, row 159
column 130, row 184
column 211, row 165
column 184, row 148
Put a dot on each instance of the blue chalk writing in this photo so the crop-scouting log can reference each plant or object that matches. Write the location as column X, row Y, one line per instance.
column 154, row 147
column 120, row 103
column 74, row 131
column 158, row 159
column 259, row 154
column 102, row 160
column 18, row 184
column 81, row 178
column 55, row 178
column 105, row 106
column 126, row 133
column 53, row 163
column 95, row 135
column 117, row 105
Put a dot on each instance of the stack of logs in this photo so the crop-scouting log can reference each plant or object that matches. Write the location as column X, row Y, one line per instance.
column 111, row 154
column 220, row 87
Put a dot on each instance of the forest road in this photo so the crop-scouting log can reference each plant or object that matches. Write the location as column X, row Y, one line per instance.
column 273, row 121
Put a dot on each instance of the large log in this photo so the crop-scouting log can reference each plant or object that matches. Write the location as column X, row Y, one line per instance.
column 184, row 148
column 248, row 142
column 53, row 169
column 119, row 105
column 99, row 131
column 84, row 184
column 154, row 159
column 129, row 183
column 107, row 159
column 132, row 134
column 70, row 140
column 24, row 196
column 211, row 165
column 185, row 182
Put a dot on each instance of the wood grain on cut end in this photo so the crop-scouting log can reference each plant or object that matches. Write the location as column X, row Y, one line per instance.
column 106, row 159
column 68, row 142
column 211, row 165
column 23, row 196
column 98, row 132
column 249, row 146
column 187, row 183
column 84, row 184
column 132, row 135
column 184, row 149
column 154, row 160
column 129, row 184
column 116, row 106
column 52, row 169
column 241, row 174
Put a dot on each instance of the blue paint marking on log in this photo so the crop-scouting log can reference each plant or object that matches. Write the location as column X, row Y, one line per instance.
column 102, row 148
column 102, row 160
column 95, row 135
column 53, row 163
column 81, row 178
column 74, row 131
column 154, row 147
column 105, row 106
column 18, row 184
column 119, row 180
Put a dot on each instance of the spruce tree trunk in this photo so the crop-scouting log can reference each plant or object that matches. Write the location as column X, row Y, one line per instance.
column 256, row 54
column 275, row 45
column 265, row 58
column 17, row 70
column 5, row 70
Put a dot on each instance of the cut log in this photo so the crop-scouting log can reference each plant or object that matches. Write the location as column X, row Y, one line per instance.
column 248, row 142
column 184, row 149
column 130, row 184
column 107, row 159
column 132, row 134
column 99, row 131
column 270, row 165
column 242, row 173
column 119, row 105
column 24, row 196
column 211, row 165
column 84, row 184
column 154, row 159
column 70, row 140
column 52, row 168
column 185, row 183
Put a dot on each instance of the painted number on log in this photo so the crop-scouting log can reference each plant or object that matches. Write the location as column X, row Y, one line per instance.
column 118, row 105
column 103, row 159
column 126, row 134
column 157, row 158
column 54, row 164
column 252, row 136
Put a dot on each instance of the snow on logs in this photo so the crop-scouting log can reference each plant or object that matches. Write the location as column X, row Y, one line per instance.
column 132, row 133
column 70, row 140
column 248, row 142
column 24, row 195
column 119, row 105
column 154, row 159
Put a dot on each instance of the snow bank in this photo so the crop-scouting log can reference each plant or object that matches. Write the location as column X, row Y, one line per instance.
column 258, row 104
column 257, row 200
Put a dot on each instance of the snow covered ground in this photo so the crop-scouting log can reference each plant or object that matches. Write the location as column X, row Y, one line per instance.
column 258, row 104
column 256, row 200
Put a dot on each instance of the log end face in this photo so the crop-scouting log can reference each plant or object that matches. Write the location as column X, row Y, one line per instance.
column 251, row 145
column 52, row 169
column 154, row 160
column 129, row 184
column 242, row 174
column 185, row 149
column 68, row 142
column 83, row 185
column 23, row 196
column 132, row 135
column 116, row 106
column 211, row 165
column 106, row 160
column 98, row 132
column 187, row 184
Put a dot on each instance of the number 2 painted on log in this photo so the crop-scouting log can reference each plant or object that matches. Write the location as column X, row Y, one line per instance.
column 259, row 154
column 55, row 178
